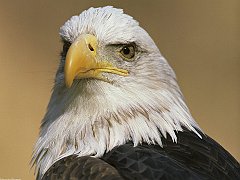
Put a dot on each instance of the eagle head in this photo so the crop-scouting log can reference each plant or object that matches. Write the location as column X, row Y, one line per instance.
column 112, row 86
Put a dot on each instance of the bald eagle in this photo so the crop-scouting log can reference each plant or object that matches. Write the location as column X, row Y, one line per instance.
column 116, row 110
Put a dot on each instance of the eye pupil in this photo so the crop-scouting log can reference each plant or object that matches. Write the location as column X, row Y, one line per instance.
column 126, row 50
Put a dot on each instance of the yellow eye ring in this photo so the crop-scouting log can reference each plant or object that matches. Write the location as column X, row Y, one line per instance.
column 128, row 51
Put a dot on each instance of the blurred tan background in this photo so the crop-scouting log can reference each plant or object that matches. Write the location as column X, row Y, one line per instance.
column 200, row 39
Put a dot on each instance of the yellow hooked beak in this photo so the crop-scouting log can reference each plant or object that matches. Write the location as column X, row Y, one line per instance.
column 81, row 61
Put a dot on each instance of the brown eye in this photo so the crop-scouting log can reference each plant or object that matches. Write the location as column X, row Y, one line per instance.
column 128, row 51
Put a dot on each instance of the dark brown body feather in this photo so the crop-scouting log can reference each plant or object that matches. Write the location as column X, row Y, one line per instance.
column 189, row 158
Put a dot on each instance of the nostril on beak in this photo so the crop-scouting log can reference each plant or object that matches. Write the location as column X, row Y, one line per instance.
column 90, row 47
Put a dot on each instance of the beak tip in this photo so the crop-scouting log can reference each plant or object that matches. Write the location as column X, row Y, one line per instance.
column 68, row 83
column 68, row 86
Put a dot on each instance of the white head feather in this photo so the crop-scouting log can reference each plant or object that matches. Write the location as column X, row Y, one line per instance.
column 93, row 116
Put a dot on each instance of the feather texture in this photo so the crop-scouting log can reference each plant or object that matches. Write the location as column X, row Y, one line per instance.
column 190, row 158
column 93, row 117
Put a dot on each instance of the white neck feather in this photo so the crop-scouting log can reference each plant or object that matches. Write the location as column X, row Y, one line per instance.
column 94, row 117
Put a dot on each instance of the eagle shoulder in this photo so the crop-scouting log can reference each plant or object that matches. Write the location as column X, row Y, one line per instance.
column 86, row 167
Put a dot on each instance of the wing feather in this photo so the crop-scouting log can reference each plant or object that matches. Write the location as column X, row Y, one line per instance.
column 191, row 158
